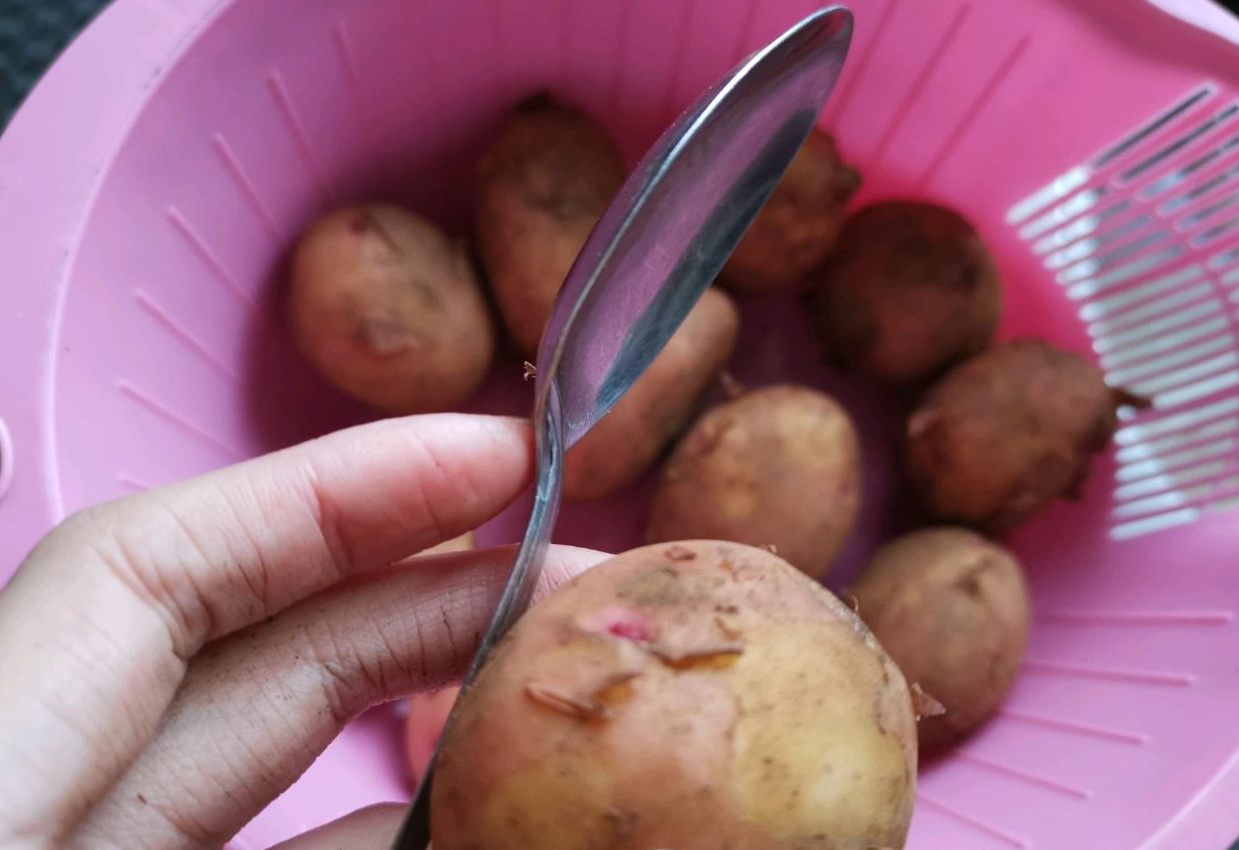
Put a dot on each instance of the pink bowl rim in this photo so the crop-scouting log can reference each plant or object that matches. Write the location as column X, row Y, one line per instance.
column 83, row 113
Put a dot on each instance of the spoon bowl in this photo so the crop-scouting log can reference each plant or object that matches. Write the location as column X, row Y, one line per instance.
column 658, row 247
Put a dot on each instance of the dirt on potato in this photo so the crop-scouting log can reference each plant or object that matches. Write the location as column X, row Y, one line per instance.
column 542, row 186
column 696, row 695
column 1009, row 431
column 800, row 223
column 952, row 610
column 389, row 310
column 910, row 289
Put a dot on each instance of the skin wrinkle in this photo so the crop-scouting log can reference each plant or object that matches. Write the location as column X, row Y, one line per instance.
column 468, row 485
column 326, row 520
column 259, row 585
column 334, row 685
column 247, row 755
column 390, row 650
column 187, row 830
column 120, row 565
column 442, row 529
column 469, row 600
column 214, row 618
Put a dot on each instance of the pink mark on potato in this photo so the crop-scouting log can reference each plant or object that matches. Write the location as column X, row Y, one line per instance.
column 618, row 621
column 631, row 630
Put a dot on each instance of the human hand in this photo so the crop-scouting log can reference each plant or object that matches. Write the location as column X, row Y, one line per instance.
column 171, row 662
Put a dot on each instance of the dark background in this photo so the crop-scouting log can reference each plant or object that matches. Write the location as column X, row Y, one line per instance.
column 32, row 34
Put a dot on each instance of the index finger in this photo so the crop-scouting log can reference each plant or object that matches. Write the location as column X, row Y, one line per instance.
column 98, row 624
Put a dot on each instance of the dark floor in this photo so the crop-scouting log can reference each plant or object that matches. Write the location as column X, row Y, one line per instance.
column 32, row 34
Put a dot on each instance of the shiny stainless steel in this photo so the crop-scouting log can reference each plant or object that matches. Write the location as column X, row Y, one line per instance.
column 657, row 248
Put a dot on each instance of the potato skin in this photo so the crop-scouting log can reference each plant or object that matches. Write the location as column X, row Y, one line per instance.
column 1007, row 432
column 389, row 310
column 698, row 695
column 910, row 290
column 778, row 466
column 627, row 441
column 952, row 610
column 798, row 226
column 543, row 184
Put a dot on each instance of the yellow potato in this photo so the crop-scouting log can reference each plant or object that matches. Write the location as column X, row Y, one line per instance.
column 696, row 696
column 952, row 609
column 779, row 466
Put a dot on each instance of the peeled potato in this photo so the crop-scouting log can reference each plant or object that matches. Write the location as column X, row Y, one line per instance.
column 389, row 310
column 800, row 223
column 543, row 184
column 627, row 441
column 952, row 610
column 695, row 696
column 779, row 466
column 910, row 289
column 1009, row 431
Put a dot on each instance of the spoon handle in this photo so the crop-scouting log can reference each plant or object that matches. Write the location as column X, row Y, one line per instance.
column 657, row 248
column 517, row 594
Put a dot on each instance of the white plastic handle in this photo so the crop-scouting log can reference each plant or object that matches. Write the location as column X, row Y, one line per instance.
column 7, row 459
column 1203, row 14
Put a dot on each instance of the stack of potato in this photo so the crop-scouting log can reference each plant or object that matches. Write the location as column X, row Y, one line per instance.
column 648, row 669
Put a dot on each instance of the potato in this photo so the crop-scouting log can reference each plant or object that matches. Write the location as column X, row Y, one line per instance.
column 798, row 226
column 543, row 184
column 632, row 436
column 777, row 467
column 951, row 608
column 698, row 695
column 389, row 310
column 910, row 290
column 1007, row 432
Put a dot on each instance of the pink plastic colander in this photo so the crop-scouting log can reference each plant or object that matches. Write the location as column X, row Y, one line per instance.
column 151, row 185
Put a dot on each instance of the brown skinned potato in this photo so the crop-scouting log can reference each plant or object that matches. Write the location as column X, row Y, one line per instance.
column 697, row 695
column 952, row 610
column 389, row 310
column 627, row 441
column 1007, row 432
column 779, row 466
column 910, row 290
column 542, row 186
column 798, row 226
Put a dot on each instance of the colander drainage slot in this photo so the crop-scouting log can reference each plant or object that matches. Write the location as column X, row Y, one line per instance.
column 6, row 459
column 1142, row 237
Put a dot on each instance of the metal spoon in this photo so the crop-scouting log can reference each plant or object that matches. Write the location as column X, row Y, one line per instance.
column 657, row 248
